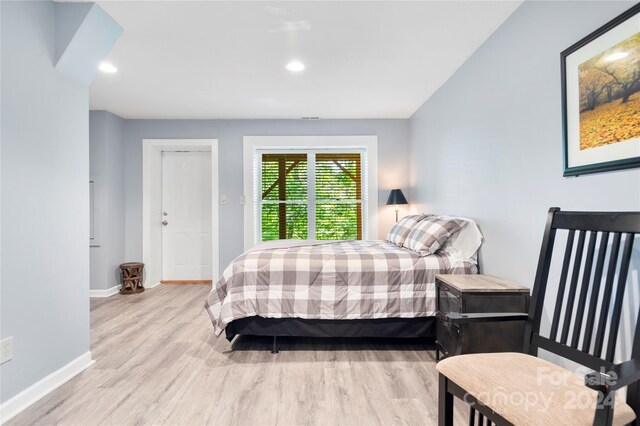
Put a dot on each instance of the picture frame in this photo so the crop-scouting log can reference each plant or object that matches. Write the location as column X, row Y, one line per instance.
column 601, row 98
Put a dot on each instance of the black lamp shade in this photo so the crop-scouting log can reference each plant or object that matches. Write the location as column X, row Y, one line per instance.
column 396, row 197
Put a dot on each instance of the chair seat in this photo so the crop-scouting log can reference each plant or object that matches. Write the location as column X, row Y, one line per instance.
column 526, row 390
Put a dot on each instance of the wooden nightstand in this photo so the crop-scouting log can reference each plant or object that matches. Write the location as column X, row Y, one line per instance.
column 457, row 295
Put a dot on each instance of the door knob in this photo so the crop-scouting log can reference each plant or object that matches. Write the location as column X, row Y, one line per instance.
column 165, row 223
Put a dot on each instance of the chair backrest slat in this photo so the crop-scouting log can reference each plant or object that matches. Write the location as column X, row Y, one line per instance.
column 562, row 285
column 584, row 291
column 595, row 292
column 575, row 274
column 606, row 296
column 620, row 290
column 588, row 302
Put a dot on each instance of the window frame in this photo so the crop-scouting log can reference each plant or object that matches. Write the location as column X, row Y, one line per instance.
column 254, row 146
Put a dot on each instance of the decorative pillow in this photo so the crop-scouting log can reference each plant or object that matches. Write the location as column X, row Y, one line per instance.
column 431, row 233
column 400, row 230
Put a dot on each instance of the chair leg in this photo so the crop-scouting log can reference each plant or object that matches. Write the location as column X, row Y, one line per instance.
column 604, row 410
column 445, row 403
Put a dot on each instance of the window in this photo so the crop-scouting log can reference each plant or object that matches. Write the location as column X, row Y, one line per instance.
column 317, row 193
column 311, row 194
column 284, row 205
column 338, row 196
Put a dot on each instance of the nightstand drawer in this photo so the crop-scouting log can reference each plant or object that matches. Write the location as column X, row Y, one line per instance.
column 494, row 302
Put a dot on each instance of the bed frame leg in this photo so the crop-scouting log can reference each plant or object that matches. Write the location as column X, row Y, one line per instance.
column 274, row 349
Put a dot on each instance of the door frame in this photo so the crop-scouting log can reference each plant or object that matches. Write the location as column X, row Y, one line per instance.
column 152, row 202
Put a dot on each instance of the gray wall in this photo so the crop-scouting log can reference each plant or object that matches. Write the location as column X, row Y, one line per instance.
column 106, row 153
column 44, row 201
column 488, row 144
column 393, row 153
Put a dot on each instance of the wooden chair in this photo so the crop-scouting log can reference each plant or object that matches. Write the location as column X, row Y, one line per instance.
column 521, row 389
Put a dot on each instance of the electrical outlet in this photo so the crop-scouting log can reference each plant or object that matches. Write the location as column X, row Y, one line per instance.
column 6, row 350
column 223, row 199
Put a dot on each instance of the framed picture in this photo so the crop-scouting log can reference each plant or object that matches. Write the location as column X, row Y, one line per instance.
column 601, row 98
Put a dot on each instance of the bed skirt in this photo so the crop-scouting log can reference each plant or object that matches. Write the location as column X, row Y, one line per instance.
column 423, row 327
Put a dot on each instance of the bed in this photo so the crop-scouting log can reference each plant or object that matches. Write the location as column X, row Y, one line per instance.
column 335, row 289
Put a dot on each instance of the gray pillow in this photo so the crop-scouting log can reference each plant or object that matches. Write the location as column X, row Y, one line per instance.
column 431, row 233
column 400, row 230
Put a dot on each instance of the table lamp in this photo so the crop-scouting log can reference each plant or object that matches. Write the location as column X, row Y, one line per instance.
column 396, row 197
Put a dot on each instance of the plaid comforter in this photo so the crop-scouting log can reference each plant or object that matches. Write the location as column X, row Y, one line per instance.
column 329, row 280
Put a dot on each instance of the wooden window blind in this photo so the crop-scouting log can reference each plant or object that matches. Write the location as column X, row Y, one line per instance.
column 284, row 197
column 338, row 196
column 311, row 194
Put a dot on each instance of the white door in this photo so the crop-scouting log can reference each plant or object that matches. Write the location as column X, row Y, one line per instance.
column 186, row 216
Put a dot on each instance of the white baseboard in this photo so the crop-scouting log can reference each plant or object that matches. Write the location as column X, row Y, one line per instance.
column 152, row 285
column 104, row 293
column 114, row 290
column 33, row 393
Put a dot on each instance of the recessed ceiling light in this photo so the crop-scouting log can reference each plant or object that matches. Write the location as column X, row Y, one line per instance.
column 107, row 67
column 295, row 66
column 616, row 56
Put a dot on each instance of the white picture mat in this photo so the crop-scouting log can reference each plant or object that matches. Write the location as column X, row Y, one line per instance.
column 612, row 152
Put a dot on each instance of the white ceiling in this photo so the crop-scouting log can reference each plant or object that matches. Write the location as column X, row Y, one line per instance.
column 224, row 59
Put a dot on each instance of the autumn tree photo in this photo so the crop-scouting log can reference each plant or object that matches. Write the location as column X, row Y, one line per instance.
column 609, row 85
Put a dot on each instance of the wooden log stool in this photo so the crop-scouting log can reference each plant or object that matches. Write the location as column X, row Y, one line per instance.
column 131, row 278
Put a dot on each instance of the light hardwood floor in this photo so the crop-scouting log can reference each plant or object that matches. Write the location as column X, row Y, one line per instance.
column 158, row 362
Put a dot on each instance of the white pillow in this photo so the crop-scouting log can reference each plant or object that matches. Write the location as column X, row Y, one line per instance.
column 465, row 243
